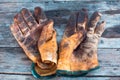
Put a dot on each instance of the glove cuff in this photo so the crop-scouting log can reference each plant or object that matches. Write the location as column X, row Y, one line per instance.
column 75, row 73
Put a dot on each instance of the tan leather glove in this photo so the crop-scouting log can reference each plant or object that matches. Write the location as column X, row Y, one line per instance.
column 47, row 46
column 73, row 36
column 83, row 58
column 27, row 29
column 88, row 48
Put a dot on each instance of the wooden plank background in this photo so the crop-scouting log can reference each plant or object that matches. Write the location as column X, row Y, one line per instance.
column 60, row 11
column 14, row 65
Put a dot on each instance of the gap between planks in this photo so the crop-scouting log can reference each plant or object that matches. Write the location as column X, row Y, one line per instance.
column 14, row 61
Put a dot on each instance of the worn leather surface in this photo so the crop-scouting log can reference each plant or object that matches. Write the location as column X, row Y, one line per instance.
column 78, row 47
column 27, row 28
column 83, row 56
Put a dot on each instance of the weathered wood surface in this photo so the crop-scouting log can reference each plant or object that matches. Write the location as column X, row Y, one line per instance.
column 7, row 39
column 108, row 8
column 14, row 65
column 60, row 11
column 29, row 77
column 14, row 60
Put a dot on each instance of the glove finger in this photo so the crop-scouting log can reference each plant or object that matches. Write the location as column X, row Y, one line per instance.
column 82, row 18
column 71, row 25
column 29, row 19
column 17, row 32
column 47, row 33
column 47, row 47
column 93, row 21
column 18, row 18
column 100, row 28
column 39, row 15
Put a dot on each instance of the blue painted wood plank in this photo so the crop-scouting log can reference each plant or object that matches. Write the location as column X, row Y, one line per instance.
column 14, row 61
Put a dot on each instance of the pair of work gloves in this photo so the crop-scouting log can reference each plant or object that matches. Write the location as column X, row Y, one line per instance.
column 77, row 53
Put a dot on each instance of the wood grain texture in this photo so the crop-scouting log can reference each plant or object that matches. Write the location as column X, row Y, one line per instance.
column 30, row 77
column 51, row 5
column 59, row 11
column 14, row 61
column 14, row 64
column 16, row 1
column 110, row 12
column 8, row 40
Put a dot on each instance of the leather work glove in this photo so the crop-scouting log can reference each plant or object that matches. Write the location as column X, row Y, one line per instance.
column 73, row 36
column 27, row 28
column 47, row 45
column 83, row 58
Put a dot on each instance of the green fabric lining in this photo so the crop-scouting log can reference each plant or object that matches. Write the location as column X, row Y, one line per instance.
column 75, row 73
column 36, row 75
column 61, row 73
